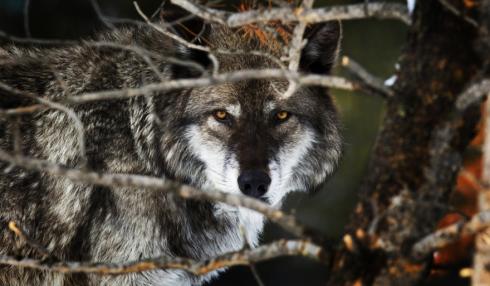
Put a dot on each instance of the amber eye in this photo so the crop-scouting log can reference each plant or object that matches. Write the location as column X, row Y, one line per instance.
column 282, row 115
column 220, row 115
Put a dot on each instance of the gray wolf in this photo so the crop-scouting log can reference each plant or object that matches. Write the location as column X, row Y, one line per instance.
column 241, row 138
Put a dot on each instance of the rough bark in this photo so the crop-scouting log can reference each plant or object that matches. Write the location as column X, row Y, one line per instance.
column 417, row 154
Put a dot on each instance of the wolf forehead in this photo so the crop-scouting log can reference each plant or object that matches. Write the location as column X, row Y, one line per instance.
column 259, row 97
column 251, row 96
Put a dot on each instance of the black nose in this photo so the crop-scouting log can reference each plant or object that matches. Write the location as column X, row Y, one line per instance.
column 254, row 183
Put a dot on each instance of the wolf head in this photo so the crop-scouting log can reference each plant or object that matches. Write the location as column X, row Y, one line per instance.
column 244, row 137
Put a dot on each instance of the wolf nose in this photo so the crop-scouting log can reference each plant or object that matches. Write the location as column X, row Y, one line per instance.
column 254, row 183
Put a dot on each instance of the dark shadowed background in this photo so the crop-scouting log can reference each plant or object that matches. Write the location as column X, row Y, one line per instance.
column 375, row 44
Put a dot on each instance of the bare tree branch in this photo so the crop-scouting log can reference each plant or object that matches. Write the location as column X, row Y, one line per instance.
column 286, row 221
column 326, row 81
column 345, row 12
column 244, row 257
column 450, row 234
column 297, row 41
column 318, row 80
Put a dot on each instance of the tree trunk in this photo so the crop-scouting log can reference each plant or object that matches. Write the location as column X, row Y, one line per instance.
column 417, row 154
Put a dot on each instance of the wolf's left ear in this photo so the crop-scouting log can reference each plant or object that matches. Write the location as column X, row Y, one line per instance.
column 320, row 52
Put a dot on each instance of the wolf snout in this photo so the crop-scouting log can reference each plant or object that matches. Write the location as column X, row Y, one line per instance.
column 254, row 183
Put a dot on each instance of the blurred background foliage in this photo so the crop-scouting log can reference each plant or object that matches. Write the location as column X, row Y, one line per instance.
column 376, row 44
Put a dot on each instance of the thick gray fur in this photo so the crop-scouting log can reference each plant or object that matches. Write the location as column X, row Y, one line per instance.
column 170, row 135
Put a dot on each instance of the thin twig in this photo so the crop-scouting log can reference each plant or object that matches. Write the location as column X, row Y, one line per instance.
column 77, row 122
column 22, row 110
column 24, row 237
column 209, row 14
column 173, row 36
column 147, row 56
column 247, row 245
column 256, row 275
column 27, row 29
column 158, row 10
column 459, row 13
column 100, row 15
column 36, row 41
column 370, row 81
column 57, row 106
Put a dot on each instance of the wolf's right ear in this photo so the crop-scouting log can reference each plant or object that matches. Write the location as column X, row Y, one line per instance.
column 320, row 52
column 189, row 27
